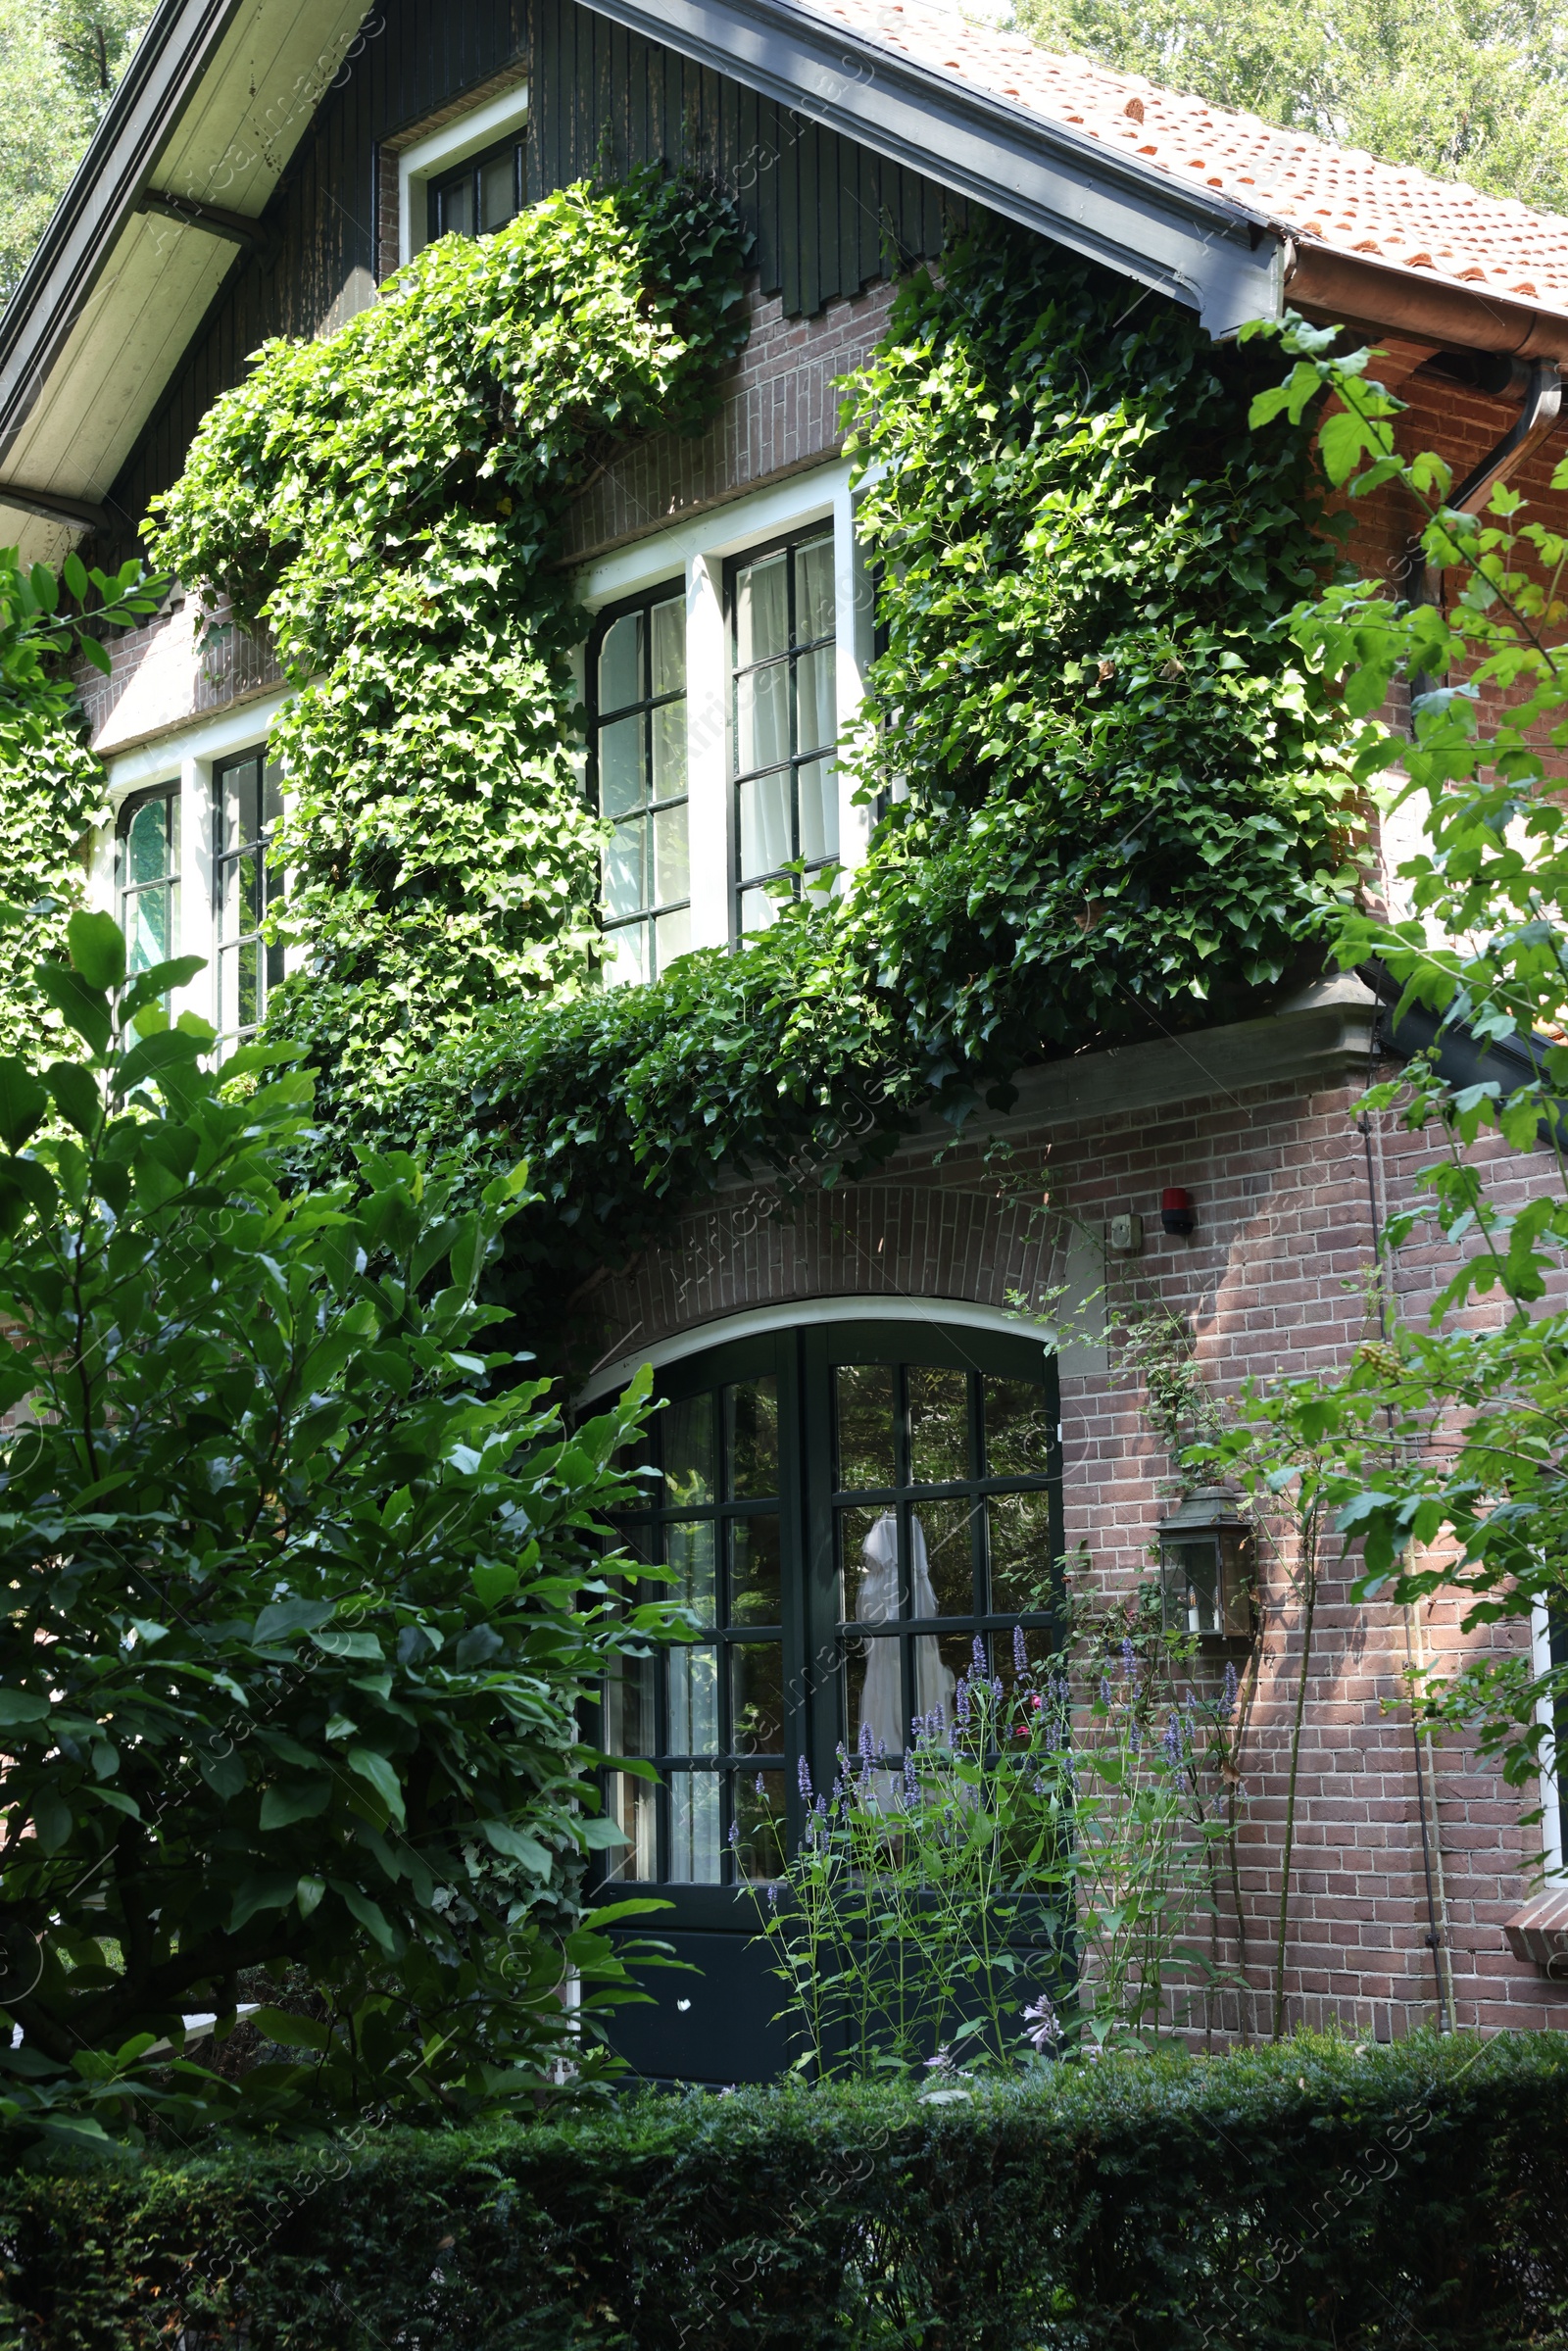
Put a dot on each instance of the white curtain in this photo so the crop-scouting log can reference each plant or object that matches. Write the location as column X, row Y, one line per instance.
column 882, row 1705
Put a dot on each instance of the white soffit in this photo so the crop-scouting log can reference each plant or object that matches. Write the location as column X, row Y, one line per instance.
column 227, row 148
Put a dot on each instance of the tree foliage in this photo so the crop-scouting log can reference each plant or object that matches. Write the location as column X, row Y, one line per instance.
column 60, row 61
column 1444, row 1448
column 389, row 500
column 1469, row 90
column 302, row 1591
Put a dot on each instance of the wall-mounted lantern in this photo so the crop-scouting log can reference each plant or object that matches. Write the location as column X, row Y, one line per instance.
column 1206, row 1569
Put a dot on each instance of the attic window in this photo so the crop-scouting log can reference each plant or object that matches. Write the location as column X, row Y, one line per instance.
column 480, row 194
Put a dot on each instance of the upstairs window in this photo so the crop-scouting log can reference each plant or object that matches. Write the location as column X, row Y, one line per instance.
column 637, row 674
column 479, row 195
column 785, row 720
column 247, row 803
column 147, row 876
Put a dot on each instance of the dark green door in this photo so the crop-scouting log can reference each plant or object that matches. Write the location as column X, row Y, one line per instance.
column 849, row 1509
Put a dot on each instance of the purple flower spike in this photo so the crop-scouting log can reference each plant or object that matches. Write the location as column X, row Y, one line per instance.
column 979, row 1658
column 802, row 1778
column 1129, row 1658
column 1173, row 1740
column 734, row 1834
column 867, row 1743
column 1020, row 1650
column 960, row 1700
column 911, row 1786
column 1044, row 2028
column 1104, row 1691
column 772, row 1894
column 760, row 1784
column 1227, row 1705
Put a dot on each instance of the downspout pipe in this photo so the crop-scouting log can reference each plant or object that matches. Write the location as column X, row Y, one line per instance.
column 1542, row 405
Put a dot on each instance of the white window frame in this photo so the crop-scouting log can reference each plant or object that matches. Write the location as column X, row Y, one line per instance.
column 453, row 144
column 696, row 552
column 189, row 755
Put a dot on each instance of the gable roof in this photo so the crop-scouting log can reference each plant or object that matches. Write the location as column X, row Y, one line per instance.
column 1215, row 210
column 1307, row 188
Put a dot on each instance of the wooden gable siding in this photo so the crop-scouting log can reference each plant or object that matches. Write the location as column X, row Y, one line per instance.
column 827, row 216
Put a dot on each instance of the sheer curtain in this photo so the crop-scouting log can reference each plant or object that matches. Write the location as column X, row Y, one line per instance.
column 882, row 1705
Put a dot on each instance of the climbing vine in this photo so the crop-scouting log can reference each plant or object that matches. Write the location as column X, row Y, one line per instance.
column 1118, row 802
column 389, row 503
column 1112, row 798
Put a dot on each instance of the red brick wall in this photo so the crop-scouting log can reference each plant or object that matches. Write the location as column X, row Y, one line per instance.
column 1272, row 1281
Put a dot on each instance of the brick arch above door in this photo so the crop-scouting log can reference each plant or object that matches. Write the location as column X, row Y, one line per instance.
column 877, row 1242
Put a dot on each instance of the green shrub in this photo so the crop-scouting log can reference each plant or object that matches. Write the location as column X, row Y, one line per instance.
column 1313, row 2194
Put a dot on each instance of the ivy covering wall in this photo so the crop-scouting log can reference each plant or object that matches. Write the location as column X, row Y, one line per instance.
column 1123, row 802
column 389, row 502
column 1116, row 802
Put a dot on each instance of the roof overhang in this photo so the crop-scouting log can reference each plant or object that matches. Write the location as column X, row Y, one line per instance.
column 216, row 98
column 1202, row 248
column 220, row 92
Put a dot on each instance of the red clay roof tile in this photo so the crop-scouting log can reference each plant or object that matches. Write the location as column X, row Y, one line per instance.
column 1340, row 195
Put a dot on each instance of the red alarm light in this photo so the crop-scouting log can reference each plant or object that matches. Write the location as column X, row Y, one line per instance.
column 1176, row 1209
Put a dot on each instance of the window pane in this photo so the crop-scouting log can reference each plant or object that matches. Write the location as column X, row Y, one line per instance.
column 816, row 716
column 272, row 792
column 632, row 1805
column 942, row 1558
column 819, row 787
column 457, row 207
column 1018, row 1429
column 761, row 609
column 620, row 663
column 625, row 880
column 757, row 910
column 1023, row 1574
column 754, row 1571
column 874, row 1694
column 939, row 1426
column 814, row 590
column 148, row 859
column 240, row 818
column 757, row 1697
column 238, row 971
column 668, row 622
column 694, row 1847
column 149, row 922
column 758, row 1816
column 689, row 1550
column 868, row 1558
column 864, row 1432
column 674, row 935
column 688, row 1439
column 497, row 190
column 693, row 1701
column 671, row 869
column 621, row 772
column 765, row 831
column 751, row 1438
column 669, row 750
column 631, row 1725
column 763, row 718
column 626, row 956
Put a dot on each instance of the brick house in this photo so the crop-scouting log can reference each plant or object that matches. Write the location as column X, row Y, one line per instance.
column 263, row 171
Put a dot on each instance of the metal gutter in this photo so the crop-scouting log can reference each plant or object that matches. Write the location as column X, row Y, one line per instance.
column 1361, row 292
column 164, row 72
column 1201, row 248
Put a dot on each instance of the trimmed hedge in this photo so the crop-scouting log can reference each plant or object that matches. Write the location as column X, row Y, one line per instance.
column 1314, row 2194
